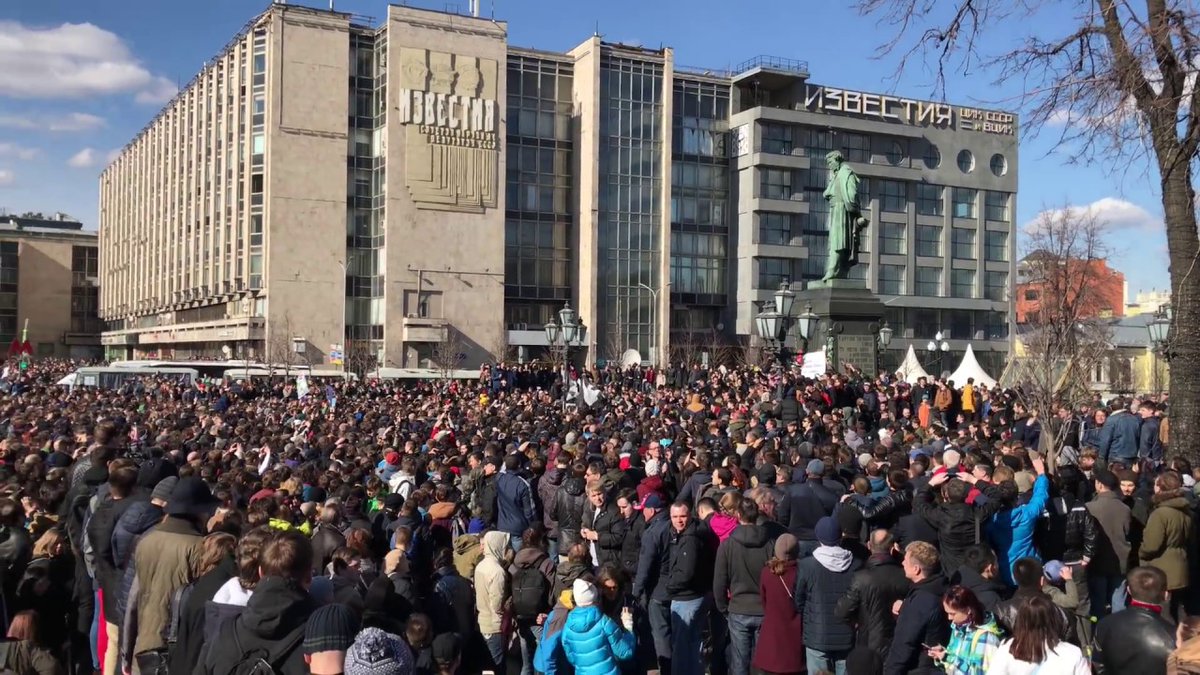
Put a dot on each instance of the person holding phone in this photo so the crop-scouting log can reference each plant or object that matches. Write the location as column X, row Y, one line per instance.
column 974, row 635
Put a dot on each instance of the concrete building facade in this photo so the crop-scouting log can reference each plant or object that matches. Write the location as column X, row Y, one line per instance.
column 488, row 184
column 49, row 280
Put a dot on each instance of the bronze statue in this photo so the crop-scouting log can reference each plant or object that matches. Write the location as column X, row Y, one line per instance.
column 846, row 221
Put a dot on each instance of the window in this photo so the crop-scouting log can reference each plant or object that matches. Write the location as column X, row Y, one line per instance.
column 962, row 283
column 777, row 139
column 856, row 147
column 964, row 202
column 891, row 238
column 995, row 206
column 893, row 195
column 929, row 199
column 999, row 164
column 775, row 229
column 896, row 153
column 995, row 286
column 773, row 271
column 891, row 279
column 995, row 246
column 776, row 183
column 933, row 158
column 962, row 243
column 966, row 161
column 929, row 281
column 929, row 240
column 1031, row 296
column 959, row 322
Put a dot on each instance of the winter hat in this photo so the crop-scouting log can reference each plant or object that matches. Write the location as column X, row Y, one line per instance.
column 570, row 439
column 162, row 491
column 815, row 468
column 828, row 532
column 765, row 475
column 392, row 458
column 652, row 467
column 375, row 652
column 330, row 629
column 787, row 547
column 583, row 592
column 1053, row 571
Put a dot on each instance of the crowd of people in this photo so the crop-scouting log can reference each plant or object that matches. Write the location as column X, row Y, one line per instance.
column 719, row 520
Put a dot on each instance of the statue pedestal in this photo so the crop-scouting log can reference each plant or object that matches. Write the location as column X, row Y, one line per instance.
column 850, row 319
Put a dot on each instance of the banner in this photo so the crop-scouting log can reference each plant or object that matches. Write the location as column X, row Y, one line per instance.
column 814, row 364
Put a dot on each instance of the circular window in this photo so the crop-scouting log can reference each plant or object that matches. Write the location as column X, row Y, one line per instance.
column 933, row 158
column 895, row 155
column 966, row 161
column 999, row 164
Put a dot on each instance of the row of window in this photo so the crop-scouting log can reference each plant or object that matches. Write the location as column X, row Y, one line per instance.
column 892, row 279
column 777, row 229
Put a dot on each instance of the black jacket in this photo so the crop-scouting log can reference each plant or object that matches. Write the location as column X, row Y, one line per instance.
column 272, row 626
column 608, row 524
column 100, row 532
column 740, row 560
column 325, row 540
column 488, row 493
column 816, row 596
column 959, row 525
column 631, row 531
column 922, row 621
column 452, row 604
column 690, row 561
column 989, row 591
column 888, row 511
column 653, row 558
column 868, row 602
column 568, row 512
column 186, row 653
column 1068, row 532
column 1006, row 611
column 1134, row 640
column 804, row 504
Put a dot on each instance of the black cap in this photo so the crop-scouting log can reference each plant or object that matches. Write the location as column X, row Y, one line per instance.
column 446, row 648
column 191, row 497
column 393, row 502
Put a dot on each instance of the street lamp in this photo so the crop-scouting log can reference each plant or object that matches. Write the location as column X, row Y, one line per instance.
column 561, row 337
column 654, row 328
column 808, row 325
column 938, row 346
column 1160, row 330
column 773, row 323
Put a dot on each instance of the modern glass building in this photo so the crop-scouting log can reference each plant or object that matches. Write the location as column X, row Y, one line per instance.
column 487, row 184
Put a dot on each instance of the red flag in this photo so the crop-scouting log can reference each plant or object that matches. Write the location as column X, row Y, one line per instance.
column 14, row 349
column 27, row 349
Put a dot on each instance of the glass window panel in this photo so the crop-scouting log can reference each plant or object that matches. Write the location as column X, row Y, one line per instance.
column 929, row 281
column 929, row 240
column 891, row 279
column 962, row 245
column 995, row 246
column 892, row 238
column 964, row 202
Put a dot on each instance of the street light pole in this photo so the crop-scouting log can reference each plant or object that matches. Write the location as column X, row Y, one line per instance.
column 654, row 328
column 938, row 345
column 342, row 336
column 571, row 333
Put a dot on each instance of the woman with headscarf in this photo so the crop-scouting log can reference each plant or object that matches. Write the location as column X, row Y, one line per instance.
column 779, row 648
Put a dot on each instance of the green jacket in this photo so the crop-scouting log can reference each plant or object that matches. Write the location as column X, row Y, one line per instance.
column 1167, row 538
column 166, row 559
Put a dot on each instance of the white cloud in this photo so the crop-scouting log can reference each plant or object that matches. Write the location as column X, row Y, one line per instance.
column 7, row 177
column 75, row 121
column 70, row 61
column 112, row 155
column 18, row 151
column 1118, row 214
column 160, row 91
column 82, row 159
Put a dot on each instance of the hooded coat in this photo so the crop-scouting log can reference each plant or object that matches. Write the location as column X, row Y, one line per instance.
column 738, row 569
column 272, row 624
column 594, row 643
column 491, row 582
column 1167, row 538
column 821, row 580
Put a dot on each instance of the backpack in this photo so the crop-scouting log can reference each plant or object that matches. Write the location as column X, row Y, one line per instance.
column 530, row 591
column 468, row 552
column 260, row 661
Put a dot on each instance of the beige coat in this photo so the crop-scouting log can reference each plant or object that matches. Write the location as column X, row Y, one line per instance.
column 491, row 582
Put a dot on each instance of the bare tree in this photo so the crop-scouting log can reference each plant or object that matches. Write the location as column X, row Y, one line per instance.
column 501, row 350
column 614, row 343
column 1065, row 338
column 449, row 354
column 1121, row 80
column 280, row 351
column 360, row 357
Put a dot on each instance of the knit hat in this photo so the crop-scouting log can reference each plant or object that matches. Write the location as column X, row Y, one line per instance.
column 765, row 475
column 652, row 467
column 828, row 532
column 162, row 491
column 787, row 547
column 583, row 592
column 330, row 628
column 392, row 458
column 375, row 652
column 815, row 468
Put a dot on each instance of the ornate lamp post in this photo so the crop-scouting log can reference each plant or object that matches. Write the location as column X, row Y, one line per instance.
column 561, row 337
column 938, row 346
column 773, row 324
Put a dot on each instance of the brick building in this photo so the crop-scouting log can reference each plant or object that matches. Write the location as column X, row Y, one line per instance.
column 1040, row 281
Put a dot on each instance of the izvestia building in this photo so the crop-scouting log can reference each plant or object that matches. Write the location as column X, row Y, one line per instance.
column 415, row 187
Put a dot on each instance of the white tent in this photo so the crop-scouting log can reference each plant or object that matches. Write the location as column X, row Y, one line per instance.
column 970, row 368
column 910, row 370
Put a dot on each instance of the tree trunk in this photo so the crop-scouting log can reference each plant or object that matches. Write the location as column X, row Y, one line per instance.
column 1184, row 247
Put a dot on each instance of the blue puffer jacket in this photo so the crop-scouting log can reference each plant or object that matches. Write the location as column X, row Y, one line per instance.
column 1011, row 531
column 594, row 643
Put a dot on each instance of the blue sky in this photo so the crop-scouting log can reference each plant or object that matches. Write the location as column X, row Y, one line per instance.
column 79, row 78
